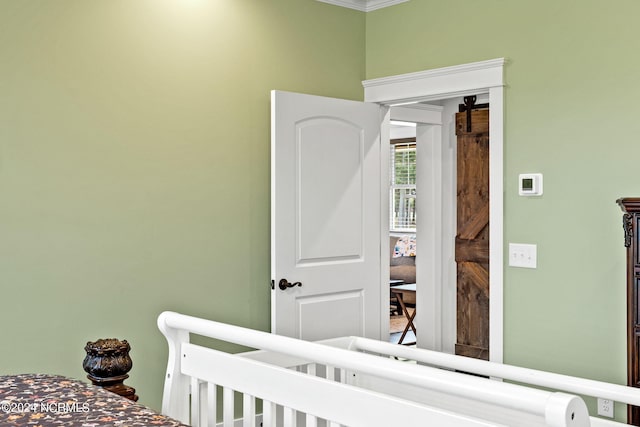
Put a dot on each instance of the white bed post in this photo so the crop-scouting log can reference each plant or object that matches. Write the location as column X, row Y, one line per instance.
column 175, row 399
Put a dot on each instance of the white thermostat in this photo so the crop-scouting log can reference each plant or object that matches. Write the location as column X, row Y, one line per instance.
column 530, row 184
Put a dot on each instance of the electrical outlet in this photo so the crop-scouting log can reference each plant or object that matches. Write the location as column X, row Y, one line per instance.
column 605, row 407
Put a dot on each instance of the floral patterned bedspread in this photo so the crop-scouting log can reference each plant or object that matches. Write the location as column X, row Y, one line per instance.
column 40, row 400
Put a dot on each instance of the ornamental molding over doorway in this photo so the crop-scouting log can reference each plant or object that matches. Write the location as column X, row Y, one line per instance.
column 457, row 80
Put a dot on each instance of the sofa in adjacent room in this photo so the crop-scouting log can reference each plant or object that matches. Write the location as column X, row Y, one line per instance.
column 403, row 258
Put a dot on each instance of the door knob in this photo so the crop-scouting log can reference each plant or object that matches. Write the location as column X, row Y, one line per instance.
column 284, row 284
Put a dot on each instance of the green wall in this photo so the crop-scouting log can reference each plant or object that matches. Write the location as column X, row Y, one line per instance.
column 570, row 113
column 134, row 165
column 134, row 161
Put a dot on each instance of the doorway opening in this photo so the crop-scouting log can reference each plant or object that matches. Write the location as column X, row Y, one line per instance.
column 402, row 232
column 445, row 196
column 486, row 79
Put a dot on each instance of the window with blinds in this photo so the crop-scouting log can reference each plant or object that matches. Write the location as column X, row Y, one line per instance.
column 402, row 173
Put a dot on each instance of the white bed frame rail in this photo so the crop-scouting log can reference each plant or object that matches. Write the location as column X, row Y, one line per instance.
column 358, row 382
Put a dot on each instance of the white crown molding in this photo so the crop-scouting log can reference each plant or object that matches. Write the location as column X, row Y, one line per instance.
column 364, row 5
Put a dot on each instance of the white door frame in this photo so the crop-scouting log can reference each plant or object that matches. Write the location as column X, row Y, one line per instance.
column 485, row 77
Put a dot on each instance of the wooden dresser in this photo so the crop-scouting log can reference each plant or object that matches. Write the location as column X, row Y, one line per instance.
column 631, row 225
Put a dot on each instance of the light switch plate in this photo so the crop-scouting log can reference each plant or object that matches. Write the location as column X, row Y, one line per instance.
column 523, row 255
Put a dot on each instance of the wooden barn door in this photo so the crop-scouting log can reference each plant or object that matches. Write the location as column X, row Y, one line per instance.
column 472, row 237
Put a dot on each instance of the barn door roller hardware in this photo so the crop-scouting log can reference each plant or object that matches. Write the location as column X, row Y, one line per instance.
column 470, row 104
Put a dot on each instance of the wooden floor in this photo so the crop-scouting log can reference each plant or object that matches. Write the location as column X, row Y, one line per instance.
column 396, row 326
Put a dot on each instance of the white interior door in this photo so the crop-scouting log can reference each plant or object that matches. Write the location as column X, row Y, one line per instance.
column 325, row 217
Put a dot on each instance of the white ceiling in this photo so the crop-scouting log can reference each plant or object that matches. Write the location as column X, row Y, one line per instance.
column 364, row 5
